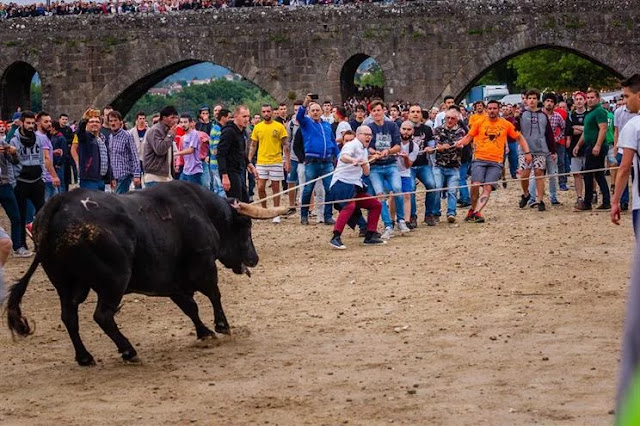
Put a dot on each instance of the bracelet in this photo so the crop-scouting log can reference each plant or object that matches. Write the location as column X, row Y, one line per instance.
column 526, row 153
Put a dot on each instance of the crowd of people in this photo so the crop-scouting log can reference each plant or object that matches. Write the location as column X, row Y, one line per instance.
column 369, row 159
column 14, row 10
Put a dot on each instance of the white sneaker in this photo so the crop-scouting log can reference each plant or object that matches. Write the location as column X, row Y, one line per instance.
column 276, row 219
column 22, row 252
column 402, row 226
column 388, row 233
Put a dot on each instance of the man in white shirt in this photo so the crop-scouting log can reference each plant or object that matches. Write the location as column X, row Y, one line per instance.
column 439, row 121
column 620, row 118
column 346, row 183
column 629, row 141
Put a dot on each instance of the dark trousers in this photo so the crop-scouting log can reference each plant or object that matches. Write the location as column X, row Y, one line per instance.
column 592, row 162
column 10, row 206
column 238, row 188
column 33, row 192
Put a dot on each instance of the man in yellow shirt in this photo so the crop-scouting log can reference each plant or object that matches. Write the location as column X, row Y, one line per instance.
column 269, row 137
column 478, row 113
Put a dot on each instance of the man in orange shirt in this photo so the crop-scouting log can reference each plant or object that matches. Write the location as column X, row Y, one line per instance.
column 489, row 139
column 478, row 115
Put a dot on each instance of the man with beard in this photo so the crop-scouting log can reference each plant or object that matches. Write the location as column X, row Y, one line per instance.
column 409, row 151
column 447, row 168
column 593, row 137
column 421, row 168
column 28, row 172
column 43, row 133
column 489, row 137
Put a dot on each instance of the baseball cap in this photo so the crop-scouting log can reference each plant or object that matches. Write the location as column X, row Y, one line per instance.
column 16, row 116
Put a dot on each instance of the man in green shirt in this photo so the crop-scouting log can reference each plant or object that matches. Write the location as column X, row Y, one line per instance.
column 594, row 139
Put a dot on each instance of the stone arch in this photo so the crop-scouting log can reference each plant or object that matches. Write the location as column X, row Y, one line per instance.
column 611, row 58
column 123, row 92
column 348, row 72
column 15, row 88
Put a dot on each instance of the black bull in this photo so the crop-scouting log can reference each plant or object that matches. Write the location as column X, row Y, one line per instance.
column 162, row 241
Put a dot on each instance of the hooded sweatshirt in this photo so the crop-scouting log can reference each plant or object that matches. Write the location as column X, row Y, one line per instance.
column 536, row 129
column 30, row 155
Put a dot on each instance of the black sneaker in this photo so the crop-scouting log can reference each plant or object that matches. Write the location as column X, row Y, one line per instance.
column 604, row 207
column 373, row 240
column 541, row 206
column 414, row 221
column 336, row 243
column 430, row 221
column 524, row 200
column 624, row 207
column 363, row 233
column 330, row 221
column 556, row 203
column 304, row 220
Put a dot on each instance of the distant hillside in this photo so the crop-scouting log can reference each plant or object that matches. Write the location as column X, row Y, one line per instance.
column 199, row 72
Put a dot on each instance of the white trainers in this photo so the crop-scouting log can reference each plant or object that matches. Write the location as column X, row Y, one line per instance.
column 387, row 234
column 22, row 252
column 276, row 219
column 402, row 226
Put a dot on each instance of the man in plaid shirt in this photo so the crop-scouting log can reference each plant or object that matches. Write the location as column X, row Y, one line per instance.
column 125, row 165
column 558, row 125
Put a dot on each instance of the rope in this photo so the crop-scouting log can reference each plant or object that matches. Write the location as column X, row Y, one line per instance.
column 421, row 191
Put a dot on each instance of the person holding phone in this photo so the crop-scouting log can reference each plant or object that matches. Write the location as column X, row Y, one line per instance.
column 157, row 158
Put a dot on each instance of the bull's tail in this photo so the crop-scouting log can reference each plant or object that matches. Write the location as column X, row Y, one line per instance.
column 17, row 323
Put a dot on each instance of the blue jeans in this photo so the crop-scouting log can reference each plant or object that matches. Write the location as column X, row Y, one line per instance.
column 216, row 182
column 513, row 159
column 49, row 191
column 313, row 170
column 448, row 178
column 390, row 175
column 10, row 206
column 205, row 179
column 432, row 201
column 562, row 165
column 63, row 185
column 92, row 184
column 465, row 196
column 124, row 184
column 624, row 199
column 195, row 178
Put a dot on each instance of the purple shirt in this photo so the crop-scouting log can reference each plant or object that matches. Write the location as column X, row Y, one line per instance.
column 47, row 146
column 192, row 163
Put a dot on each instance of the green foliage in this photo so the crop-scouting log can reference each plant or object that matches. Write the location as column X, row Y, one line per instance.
column 373, row 77
column 550, row 69
column 36, row 97
column 227, row 93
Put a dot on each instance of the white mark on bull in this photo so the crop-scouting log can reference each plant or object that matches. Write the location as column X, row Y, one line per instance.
column 88, row 201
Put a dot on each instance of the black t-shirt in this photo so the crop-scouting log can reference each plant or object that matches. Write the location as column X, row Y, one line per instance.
column 355, row 124
column 204, row 127
column 422, row 135
column 575, row 119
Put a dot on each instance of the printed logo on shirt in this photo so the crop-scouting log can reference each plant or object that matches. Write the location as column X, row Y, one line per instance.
column 383, row 141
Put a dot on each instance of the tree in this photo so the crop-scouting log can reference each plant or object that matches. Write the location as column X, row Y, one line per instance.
column 36, row 97
column 549, row 69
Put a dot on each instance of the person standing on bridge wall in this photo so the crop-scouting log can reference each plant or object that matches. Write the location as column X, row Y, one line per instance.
column 158, row 148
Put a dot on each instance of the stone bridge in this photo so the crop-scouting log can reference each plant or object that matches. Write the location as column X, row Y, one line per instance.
column 426, row 49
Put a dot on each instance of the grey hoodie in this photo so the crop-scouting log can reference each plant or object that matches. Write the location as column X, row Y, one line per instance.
column 533, row 126
column 31, row 155
column 6, row 165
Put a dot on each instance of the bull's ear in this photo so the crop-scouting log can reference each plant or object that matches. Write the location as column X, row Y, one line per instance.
column 257, row 212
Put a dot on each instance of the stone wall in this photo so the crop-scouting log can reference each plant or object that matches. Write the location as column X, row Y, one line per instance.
column 426, row 49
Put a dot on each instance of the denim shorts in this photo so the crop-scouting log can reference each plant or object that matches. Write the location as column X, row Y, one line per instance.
column 407, row 184
column 292, row 177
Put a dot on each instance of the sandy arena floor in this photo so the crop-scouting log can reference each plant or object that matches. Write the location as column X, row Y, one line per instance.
column 515, row 321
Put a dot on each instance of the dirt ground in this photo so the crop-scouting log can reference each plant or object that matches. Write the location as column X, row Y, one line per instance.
column 515, row 321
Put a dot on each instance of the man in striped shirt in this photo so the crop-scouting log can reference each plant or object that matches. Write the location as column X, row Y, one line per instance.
column 125, row 164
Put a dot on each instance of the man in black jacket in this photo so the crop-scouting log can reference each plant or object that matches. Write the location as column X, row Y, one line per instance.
column 232, row 156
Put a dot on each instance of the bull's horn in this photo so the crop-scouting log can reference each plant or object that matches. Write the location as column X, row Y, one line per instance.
column 257, row 212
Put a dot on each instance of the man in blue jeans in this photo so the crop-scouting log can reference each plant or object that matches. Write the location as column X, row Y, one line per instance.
column 125, row 164
column 384, row 171
column 319, row 150
column 8, row 156
column 421, row 170
column 447, row 169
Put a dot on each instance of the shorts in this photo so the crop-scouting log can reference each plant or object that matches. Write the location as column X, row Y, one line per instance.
column 274, row 173
column 292, row 177
column 407, row 184
column 611, row 157
column 577, row 164
column 539, row 162
column 485, row 172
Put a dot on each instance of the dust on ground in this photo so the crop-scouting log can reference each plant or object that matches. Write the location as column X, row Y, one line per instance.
column 515, row 321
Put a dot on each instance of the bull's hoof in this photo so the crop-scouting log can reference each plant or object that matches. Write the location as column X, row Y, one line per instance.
column 207, row 336
column 85, row 360
column 223, row 329
column 130, row 356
